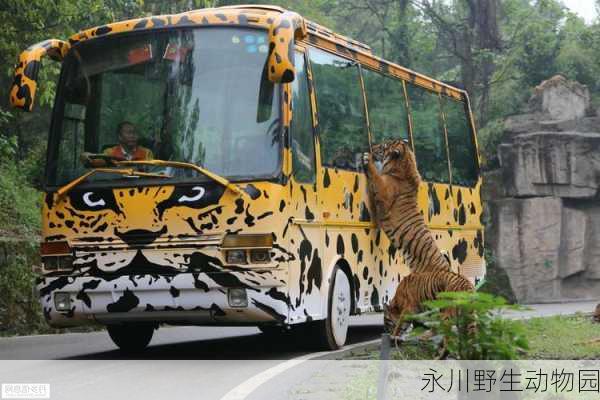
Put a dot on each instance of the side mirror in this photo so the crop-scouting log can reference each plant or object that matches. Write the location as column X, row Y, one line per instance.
column 283, row 33
column 22, row 93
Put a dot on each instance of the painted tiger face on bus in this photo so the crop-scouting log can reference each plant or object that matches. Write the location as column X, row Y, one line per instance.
column 148, row 229
column 106, row 219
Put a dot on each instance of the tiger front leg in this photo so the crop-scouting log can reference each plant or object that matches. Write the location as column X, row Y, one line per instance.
column 376, row 181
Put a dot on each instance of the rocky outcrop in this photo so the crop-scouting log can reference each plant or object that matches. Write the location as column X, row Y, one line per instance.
column 560, row 99
column 560, row 164
column 544, row 203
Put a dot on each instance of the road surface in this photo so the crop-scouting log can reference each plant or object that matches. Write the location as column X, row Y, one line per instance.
column 181, row 361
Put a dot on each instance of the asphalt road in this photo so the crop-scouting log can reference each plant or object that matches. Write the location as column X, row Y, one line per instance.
column 180, row 361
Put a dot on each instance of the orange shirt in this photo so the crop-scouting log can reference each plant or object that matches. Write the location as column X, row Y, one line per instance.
column 139, row 154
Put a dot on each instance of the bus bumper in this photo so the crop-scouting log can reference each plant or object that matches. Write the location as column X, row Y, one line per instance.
column 190, row 299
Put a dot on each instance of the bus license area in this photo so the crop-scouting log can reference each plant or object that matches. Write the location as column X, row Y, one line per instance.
column 216, row 297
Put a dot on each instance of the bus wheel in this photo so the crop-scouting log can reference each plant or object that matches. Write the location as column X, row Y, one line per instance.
column 131, row 338
column 331, row 332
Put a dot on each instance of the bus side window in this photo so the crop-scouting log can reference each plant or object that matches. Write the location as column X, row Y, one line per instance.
column 72, row 140
column 428, row 134
column 388, row 118
column 303, row 144
column 340, row 109
column 461, row 146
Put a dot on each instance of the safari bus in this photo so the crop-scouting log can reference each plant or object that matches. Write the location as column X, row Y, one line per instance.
column 204, row 168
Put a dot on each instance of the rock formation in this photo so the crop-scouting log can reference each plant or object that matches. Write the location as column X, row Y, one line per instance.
column 544, row 203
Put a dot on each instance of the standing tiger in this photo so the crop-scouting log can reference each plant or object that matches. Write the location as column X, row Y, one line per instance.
column 416, row 288
column 393, row 194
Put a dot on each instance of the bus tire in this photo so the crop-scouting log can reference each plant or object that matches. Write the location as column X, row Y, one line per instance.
column 131, row 338
column 330, row 333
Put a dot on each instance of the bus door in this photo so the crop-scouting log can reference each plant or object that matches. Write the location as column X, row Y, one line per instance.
column 343, row 139
column 305, row 276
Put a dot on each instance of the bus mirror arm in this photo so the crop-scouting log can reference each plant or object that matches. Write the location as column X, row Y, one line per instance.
column 286, row 29
column 62, row 191
column 23, row 90
column 211, row 175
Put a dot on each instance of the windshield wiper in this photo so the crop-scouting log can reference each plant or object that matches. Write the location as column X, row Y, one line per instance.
column 127, row 172
column 179, row 164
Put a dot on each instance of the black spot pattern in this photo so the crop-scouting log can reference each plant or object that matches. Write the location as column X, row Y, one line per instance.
column 314, row 273
column 459, row 251
column 340, row 245
column 128, row 301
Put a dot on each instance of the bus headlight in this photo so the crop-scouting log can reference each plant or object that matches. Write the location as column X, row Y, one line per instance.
column 236, row 257
column 260, row 256
column 56, row 256
column 247, row 248
column 58, row 263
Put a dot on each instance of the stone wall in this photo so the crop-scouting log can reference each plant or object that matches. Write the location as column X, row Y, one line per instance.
column 544, row 202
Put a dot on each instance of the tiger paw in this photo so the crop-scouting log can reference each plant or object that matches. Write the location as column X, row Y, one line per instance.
column 366, row 158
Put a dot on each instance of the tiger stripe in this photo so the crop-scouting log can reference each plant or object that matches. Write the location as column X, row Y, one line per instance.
column 394, row 197
column 416, row 288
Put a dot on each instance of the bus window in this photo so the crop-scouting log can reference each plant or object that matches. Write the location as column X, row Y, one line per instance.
column 463, row 157
column 118, row 103
column 388, row 117
column 201, row 96
column 340, row 109
column 303, row 145
column 69, row 164
column 428, row 134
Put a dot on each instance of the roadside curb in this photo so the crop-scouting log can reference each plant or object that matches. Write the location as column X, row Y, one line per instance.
column 246, row 388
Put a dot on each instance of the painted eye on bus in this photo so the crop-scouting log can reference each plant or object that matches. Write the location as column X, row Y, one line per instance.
column 89, row 200
column 99, row 199
column 195, row 194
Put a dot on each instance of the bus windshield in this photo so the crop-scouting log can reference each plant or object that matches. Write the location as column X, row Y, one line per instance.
column 197, row 96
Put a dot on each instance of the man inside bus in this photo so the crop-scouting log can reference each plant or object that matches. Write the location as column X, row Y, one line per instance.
column 128, row 148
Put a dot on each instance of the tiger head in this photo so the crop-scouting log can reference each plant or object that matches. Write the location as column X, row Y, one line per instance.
column 392, row 319
column 397, row 160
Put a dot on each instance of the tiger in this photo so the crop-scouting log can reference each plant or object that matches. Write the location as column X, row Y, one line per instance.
column 416, row 288
column 393, row 194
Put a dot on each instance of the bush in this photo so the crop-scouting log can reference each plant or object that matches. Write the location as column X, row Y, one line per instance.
column 19, row 203
column 496, row 279
column 20, row 311
column 475, row 331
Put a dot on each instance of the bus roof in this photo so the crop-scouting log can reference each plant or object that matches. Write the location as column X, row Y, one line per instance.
column 262, row 16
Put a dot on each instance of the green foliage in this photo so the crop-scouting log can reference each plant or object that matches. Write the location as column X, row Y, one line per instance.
column 489, row 137
column 19, row 204
column 474, row 330
column 19, row 310
column 496, row 279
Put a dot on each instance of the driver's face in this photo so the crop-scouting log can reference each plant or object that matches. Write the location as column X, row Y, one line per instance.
column 128, row 136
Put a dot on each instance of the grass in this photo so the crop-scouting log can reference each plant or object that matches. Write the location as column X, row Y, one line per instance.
column 563, row 338
column 551, row 338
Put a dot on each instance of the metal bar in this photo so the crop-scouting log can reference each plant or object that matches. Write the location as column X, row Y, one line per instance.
column 383, row 370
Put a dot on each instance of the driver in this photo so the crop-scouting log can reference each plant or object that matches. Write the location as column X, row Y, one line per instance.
column 128, row 148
